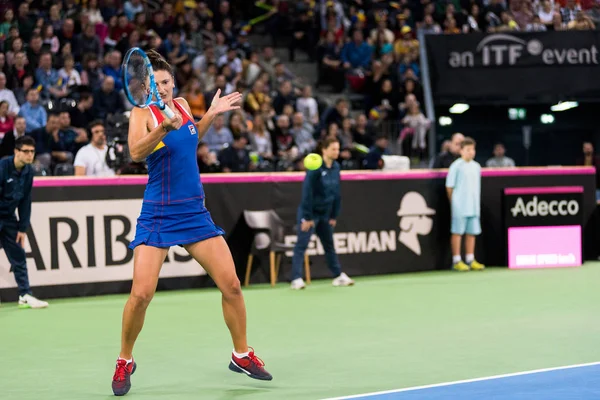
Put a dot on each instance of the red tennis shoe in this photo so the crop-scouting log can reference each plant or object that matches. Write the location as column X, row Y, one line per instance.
column 250, row 365
column 121, row 379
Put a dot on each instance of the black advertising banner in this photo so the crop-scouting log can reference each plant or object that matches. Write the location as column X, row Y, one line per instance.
column 514, row 67
column 543, row 206
column 389, row 223
column 544, row 226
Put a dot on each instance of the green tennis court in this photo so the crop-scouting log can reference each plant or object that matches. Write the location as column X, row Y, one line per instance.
column 387, row 332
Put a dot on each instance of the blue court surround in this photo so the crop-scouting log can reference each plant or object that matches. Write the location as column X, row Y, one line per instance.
column 578, row 382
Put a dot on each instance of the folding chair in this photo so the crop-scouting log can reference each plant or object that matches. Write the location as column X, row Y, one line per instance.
column 269, row 237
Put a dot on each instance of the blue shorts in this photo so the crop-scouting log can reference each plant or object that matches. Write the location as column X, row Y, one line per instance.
column 468, row 225
column 177, row 224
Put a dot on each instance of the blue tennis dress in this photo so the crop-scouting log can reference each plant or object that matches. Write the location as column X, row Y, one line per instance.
column 173, row 209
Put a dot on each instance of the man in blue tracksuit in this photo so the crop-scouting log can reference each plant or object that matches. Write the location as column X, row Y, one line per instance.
column 15, row 193
column 318, row 213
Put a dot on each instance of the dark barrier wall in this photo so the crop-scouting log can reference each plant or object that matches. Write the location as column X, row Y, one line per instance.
column 514, row 67
column 390, row 223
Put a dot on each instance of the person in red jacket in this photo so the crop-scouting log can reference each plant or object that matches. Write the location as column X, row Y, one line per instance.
column 7, row 122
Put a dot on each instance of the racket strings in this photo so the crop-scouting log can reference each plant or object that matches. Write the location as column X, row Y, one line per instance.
column 137, row 79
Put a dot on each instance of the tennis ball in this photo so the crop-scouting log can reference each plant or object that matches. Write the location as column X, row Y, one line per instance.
column 313, row 161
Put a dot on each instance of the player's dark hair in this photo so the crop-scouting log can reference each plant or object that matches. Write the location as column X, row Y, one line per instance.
column 325, row 143
column 158, row 62
column 24, row 141
column 469, row 141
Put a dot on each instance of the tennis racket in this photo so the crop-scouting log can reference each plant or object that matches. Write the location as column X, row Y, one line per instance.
column 138, row 82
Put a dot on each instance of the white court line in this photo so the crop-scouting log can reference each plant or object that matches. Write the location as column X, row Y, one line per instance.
column 408, row 389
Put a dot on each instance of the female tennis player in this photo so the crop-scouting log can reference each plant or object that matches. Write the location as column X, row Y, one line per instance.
column 318, row 212
column 173, row 213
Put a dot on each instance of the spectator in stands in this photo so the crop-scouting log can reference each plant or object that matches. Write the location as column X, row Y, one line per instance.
column 569, row 12
column 430, row 27
column 82, row 114
column 444, row 148
column 500, row 160
column 255, row 98
column 406, row 44
column 329, row 59
column 112, row 68
column 302, row 34
column 307, row 106
column 87, row 42
column 73, row 134
column 416, row 126
column 6, row 120
column 362, row 133
column 67, row 32
column 589, row 158
column 132, row 7
column 582, row 22
column 284, row 145
column 21, row 92
column 207, row 160
column 91, row 158
column 44, row 139
column 522, row 13
column 444, row 160
column 302, row 132
column 374, row 159
column 69, row 74
column 260, row 138
column 7, row 146
column 107, row 100
column 536, row 25
column 594, row 13
column 8, row 96
column 237, row 124
column 335, row 114
column 33, row 112
column 48, row 78
column 285, row 95
column 50, row 39
column 18, row 71
column 91, row 75
column 235, row 158
column 357, row 53
column 192, row 92
column 218, row 135
column 233, row 61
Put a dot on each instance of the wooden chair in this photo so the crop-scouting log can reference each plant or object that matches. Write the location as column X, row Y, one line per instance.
column 269, row 238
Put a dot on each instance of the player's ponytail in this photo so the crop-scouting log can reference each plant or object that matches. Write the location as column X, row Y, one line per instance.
column 158, row 62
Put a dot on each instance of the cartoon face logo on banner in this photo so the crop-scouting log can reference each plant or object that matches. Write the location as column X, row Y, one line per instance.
column 415, row 219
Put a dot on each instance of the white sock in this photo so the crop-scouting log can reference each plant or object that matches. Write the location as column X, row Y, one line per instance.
column 455, row 259
column 128, row 361
column 469, row 258
column 240, row 355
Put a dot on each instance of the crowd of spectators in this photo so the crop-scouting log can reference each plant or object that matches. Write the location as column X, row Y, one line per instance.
column 371, row 47
column 60, row 77
column 61, row 59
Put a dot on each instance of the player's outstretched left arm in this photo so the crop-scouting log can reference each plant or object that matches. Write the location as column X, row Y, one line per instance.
column 219, row 105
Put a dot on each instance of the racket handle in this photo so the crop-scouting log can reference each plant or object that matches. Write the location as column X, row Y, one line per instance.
column 168, row 112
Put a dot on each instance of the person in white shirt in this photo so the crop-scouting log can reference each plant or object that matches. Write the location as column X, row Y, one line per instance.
column 9, row 96
column 91, row 158
column 308, row 106
column 500, row 160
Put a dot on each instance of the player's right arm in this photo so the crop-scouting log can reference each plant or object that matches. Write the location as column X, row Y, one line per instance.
column 143, row 138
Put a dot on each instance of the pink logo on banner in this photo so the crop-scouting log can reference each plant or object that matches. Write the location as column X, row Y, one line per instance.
column 544, row 246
